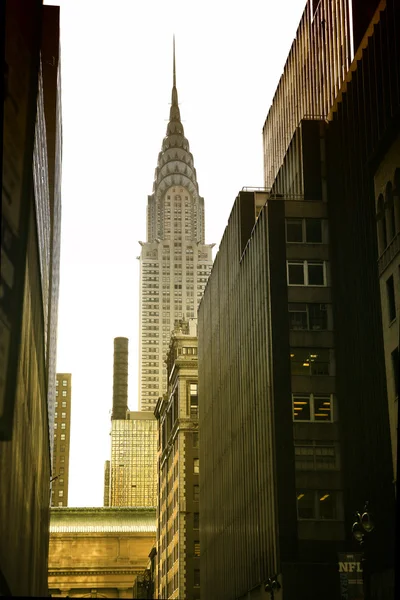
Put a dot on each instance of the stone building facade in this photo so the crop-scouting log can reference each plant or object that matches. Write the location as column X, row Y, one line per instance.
column 98, row 552
column 178, row 517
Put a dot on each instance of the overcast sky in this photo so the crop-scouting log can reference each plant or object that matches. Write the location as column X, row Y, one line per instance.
column 116, row 71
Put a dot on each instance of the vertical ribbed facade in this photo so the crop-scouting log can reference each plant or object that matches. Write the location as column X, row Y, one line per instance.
column 238, row 484
column 315, row 69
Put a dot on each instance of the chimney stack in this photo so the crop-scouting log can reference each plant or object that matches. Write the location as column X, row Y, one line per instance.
column 120, row 385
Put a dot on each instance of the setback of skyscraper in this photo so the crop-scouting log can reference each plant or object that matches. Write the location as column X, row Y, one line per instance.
column 175, row 262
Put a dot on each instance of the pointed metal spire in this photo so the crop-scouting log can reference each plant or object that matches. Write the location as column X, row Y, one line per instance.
column 174, row 99
column 174, row 67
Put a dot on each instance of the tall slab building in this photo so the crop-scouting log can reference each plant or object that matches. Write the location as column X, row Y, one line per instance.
column 61, row 443
column 175, row 262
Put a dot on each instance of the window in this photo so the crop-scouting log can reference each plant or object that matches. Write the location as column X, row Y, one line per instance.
column 64, row 392
column 63, row 436
column 196, row 545
column 306, row 272
column 62, row 458
column 64, row 403
column 61, row 480
column 196, row 520
column 63, row 415
column 310, row 407
column 64, row 382
column 307, row 231
column 56, row 404
column 60, row 493
column 194, row 400
column 310, row 317
column 196, row 465
column 60, row 503
column 61, row 470
column 315, row 455
column 196, row 579
column 56, row 382
column 55, row 415
column 196, row 493
column 317, row 505
column 55, row 425
column 391, row 299
column 195, row 439
column 62, row 425
column 310, row 361
column 294, row 230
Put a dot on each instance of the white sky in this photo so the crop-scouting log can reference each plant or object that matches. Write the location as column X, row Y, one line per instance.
column 116, row 68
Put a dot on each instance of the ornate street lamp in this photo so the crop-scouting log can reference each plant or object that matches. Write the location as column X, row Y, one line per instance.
column 362, row 526
column 272, row 584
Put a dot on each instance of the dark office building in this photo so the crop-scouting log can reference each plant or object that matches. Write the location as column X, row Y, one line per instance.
column 293, row 399
column 30, row 239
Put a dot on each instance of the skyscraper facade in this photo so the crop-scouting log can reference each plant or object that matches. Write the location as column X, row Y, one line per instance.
column 133, row 479
column 293, row 388
column 175, row 262
column 62, row 433
column 30, row 242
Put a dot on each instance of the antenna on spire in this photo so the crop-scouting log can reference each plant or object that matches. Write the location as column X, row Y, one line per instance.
column 174, row 69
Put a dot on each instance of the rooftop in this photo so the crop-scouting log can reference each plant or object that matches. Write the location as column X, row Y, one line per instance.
column 102, row 520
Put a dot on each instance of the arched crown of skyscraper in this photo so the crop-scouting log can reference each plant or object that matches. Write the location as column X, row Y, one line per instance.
column 175, row 161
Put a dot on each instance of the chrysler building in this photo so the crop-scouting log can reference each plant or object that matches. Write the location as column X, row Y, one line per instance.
column 175, row 262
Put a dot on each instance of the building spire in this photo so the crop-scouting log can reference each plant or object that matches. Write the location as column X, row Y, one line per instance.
column 174, row 67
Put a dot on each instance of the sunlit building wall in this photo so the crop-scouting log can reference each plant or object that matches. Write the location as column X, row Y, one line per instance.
column 327, row 38
column 178, row 515
column 61, row 443
column 133, row 477
column 175, row 262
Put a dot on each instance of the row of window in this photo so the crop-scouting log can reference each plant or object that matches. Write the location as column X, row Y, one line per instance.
column 64, row 383
column 307, row 272
column 310, row 317
column 312, row 407
column 315, row 455
column 311, row 361
column 319, row 505
column 306, row 231
column 63, row 404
